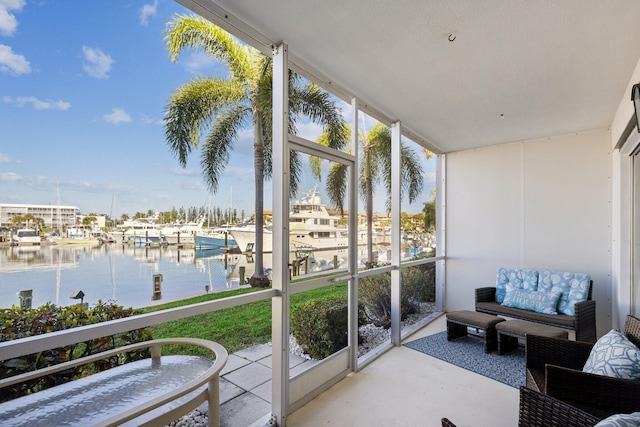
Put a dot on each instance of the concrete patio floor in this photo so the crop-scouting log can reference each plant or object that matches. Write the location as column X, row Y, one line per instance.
column 402, row 388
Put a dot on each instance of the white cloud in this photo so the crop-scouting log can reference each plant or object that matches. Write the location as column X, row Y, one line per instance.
column 38, row 104
column 118, row 115
column 185, row 172
column 198, row 62
column 147, row 11
column 193, row 185
column 8, row 22
column 5, row 158
column 98, row 64
column 10, row 177
column 11, row 62
column 146, row 120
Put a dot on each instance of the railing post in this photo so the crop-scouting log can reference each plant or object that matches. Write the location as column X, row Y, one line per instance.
column 156, row 352
column 214, row 401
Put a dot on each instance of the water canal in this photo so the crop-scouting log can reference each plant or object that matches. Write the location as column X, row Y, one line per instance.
column 125, row 273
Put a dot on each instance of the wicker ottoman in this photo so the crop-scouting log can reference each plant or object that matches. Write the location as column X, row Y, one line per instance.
column 510, row 331
column 459, row 321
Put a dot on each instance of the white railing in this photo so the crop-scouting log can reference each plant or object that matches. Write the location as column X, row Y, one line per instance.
column 35, row 344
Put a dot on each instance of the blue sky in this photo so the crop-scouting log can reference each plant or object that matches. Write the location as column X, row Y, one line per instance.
column 83, row 87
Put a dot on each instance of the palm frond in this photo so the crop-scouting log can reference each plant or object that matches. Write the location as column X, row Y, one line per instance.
column 219, row 144
column 412, row 173
column 190, row 109
column 318, row 105
column 295, row 173
column 196, row 32
column 337, row 185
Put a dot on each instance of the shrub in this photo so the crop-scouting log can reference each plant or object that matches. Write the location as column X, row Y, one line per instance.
column 375, row 295
column 320, row 326
column 419, row 282
column 16, row 323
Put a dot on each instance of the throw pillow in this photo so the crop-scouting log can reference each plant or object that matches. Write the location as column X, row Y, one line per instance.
column 540, row 302
column 614, row 355
column 522, row 279
column 574, row 288
column 621, row 420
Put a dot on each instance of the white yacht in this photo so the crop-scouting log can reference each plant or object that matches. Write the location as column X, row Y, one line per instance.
column 27, row 236
column 310, row 227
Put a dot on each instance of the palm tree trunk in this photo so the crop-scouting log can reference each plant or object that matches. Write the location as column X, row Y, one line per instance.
column 369, row 201
column 258, row 278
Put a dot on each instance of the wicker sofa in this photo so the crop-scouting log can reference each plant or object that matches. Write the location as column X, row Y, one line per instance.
column 555, row 367
column 583, row 322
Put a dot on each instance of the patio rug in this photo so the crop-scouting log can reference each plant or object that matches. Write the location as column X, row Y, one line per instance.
column 468, row 353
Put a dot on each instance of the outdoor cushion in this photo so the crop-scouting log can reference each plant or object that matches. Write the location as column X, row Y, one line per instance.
column 614, row 355
column 621, row 420
column 538, row 301
column 574, row 288
column 522, row 279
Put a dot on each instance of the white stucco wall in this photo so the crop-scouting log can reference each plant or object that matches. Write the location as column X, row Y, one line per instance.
column 540, row 204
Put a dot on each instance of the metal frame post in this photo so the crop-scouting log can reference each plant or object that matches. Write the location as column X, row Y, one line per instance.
column 441, row 194
column 280, row 275
column 353, row 239
column 396, row 248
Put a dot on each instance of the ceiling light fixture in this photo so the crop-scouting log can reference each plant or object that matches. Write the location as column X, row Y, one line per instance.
column 635, row 97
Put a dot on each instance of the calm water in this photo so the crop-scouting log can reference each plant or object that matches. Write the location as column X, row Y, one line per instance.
column 114, row 272
column 124, row 274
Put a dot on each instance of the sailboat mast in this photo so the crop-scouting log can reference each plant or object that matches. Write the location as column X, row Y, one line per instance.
column 59, row 213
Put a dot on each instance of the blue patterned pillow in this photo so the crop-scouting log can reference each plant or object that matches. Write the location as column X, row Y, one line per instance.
column 621, row 420
column 522, row 279
column 540, row 302
column 574, row 288
column 614, row 355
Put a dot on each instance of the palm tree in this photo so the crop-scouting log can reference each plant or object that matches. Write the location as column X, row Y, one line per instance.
column 375, row 166
column 221, row 106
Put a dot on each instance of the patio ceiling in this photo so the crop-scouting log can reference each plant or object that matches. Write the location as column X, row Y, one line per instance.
column 458, row 74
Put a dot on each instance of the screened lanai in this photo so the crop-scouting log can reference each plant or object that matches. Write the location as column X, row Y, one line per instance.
column 526, row 106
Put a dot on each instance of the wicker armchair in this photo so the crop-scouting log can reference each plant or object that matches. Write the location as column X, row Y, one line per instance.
column 554, row 367
column 539, row 410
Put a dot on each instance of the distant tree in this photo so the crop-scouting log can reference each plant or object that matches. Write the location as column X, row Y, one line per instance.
column 39, row 223
column 429, row 212
column 17, row 220
column 418, row 219
column 124, row 217
column 89, row 220
column 405, row 222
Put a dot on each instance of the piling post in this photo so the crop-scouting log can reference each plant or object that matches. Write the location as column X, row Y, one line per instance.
column 241, row 275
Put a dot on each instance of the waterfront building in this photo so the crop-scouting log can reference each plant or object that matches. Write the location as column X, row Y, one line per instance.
column 54, row 216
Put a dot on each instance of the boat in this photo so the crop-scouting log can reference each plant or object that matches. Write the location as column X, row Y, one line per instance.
column 141, row 231
column 26, row 236
column 215, row 238
column 147, row 240
column 182, row 233
column 311, row 227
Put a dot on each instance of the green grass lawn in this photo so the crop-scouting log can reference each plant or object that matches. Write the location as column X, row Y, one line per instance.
column 234, row 328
